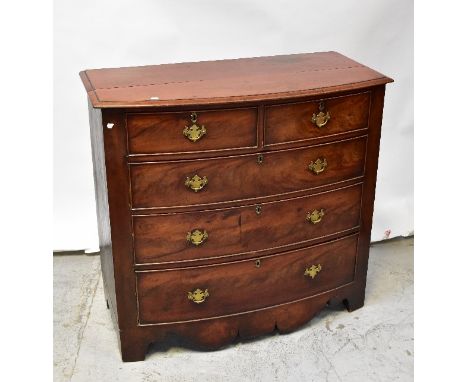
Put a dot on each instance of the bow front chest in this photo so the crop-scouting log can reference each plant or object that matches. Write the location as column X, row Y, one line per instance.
column 233, row 197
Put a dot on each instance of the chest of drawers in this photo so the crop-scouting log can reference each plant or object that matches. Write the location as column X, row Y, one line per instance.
column 233, row 197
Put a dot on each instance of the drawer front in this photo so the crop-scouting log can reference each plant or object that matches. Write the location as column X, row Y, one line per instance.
column 295, row 122
column 178, row 237
column 229, row 288
column 179, row 132
column 182, row 183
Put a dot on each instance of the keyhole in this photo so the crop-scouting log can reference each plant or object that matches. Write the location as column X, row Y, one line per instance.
column 257, row 263
column 322, row 106
column 260, row 159
column 258, row 210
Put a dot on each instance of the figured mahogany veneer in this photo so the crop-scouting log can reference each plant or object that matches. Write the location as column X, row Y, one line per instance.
column 271, row 238
column 162, row 133
column 237, row 230
column 292, row 122
column 243, row 286
column 160, row 185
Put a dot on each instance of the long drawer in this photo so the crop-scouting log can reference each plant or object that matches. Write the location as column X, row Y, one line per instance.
column 245, row 177
column 195, row 293
column 223, row 233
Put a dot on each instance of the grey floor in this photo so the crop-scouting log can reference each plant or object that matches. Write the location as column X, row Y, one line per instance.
column 374, row 343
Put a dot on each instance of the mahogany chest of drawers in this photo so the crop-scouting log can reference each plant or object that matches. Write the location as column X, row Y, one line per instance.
column 233, row 197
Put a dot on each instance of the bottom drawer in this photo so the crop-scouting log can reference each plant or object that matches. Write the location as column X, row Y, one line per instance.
column 187, row 294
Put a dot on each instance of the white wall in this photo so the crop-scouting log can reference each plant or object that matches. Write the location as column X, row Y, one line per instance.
column 94, row 34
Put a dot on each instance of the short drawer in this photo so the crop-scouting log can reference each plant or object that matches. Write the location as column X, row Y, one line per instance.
column 309, row 120
column 189, row 131
column 188, row 294
column 222, row 233
column 245, row 177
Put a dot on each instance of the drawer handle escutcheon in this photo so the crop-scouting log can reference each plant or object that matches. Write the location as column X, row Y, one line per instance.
column 315, row 216
column 194, row 132
column 197, row 237
column 321, row 118
column 196, row 183
column 313, row 270
column 198, row 296
column 318, row 166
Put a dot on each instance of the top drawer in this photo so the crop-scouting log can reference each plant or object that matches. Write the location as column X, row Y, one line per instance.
column 305, row 121
column 188, row 131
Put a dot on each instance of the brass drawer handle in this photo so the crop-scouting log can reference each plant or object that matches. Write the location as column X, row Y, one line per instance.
column 196, row 183
column 313, row 270
column 315, row 216
column 194, row 132
column 319, row 165
column 321, row 118
column 197, row 237
column 198, row 296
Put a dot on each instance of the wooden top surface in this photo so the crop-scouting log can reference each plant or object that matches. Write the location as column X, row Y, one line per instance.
column 228, row 81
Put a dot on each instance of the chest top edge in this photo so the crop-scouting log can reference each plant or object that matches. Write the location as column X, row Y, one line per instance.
column 234, row 81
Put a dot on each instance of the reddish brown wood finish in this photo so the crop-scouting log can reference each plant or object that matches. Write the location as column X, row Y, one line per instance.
column 162, row 133
column 293, row 122
column 231, row 231
column 243, row 286
column 276, row 92
column 356, row 299
column 102, row 211
column 242, row 177
column 228, row 81
column 215, row 333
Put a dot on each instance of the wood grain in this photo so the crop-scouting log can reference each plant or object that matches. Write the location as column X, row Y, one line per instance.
column 102, row 210
column 356, row 299
column 237, row 178
column 212, row 334
column 242, row 286
column 292, row 122
column 162, row 238
column 251, row 107
column 161, row 133
column 228, row 81
column 114, row 148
